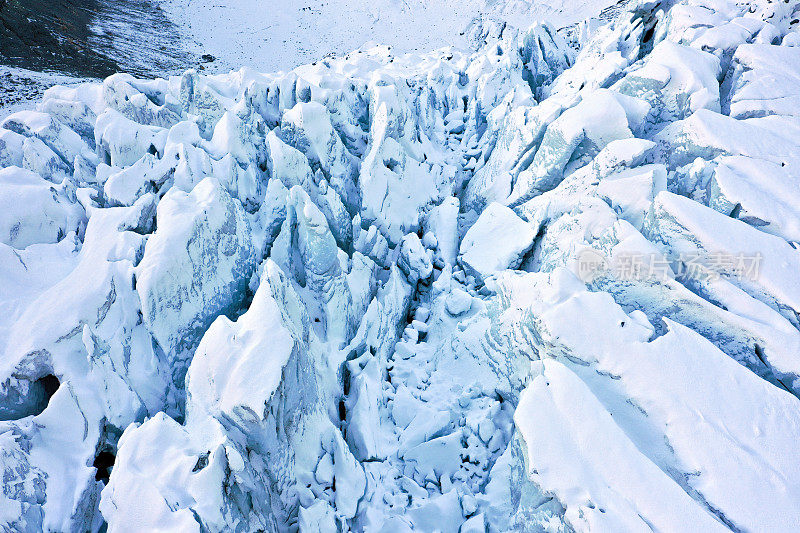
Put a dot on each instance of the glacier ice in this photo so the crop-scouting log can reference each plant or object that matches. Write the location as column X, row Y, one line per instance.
column 496, row 289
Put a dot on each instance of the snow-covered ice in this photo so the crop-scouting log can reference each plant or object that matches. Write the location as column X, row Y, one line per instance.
column 544, row 282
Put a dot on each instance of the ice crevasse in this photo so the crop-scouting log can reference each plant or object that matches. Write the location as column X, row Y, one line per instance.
column 354, row 296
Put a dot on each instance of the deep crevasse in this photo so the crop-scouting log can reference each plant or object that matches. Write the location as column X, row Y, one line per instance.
column 351, row 297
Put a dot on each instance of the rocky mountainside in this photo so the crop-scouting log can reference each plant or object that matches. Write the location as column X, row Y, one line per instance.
column 90, row 38
column 522, row 288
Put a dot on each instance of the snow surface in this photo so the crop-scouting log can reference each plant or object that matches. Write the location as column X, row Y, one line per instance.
column 270, row 36
column 354, row 296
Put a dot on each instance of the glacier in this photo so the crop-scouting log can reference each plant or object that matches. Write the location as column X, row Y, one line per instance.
column 548, row 283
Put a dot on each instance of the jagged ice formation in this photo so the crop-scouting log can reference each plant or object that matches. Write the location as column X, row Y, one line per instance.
column 353, row 296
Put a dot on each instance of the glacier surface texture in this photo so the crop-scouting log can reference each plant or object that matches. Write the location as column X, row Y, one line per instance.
column 548, row 283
